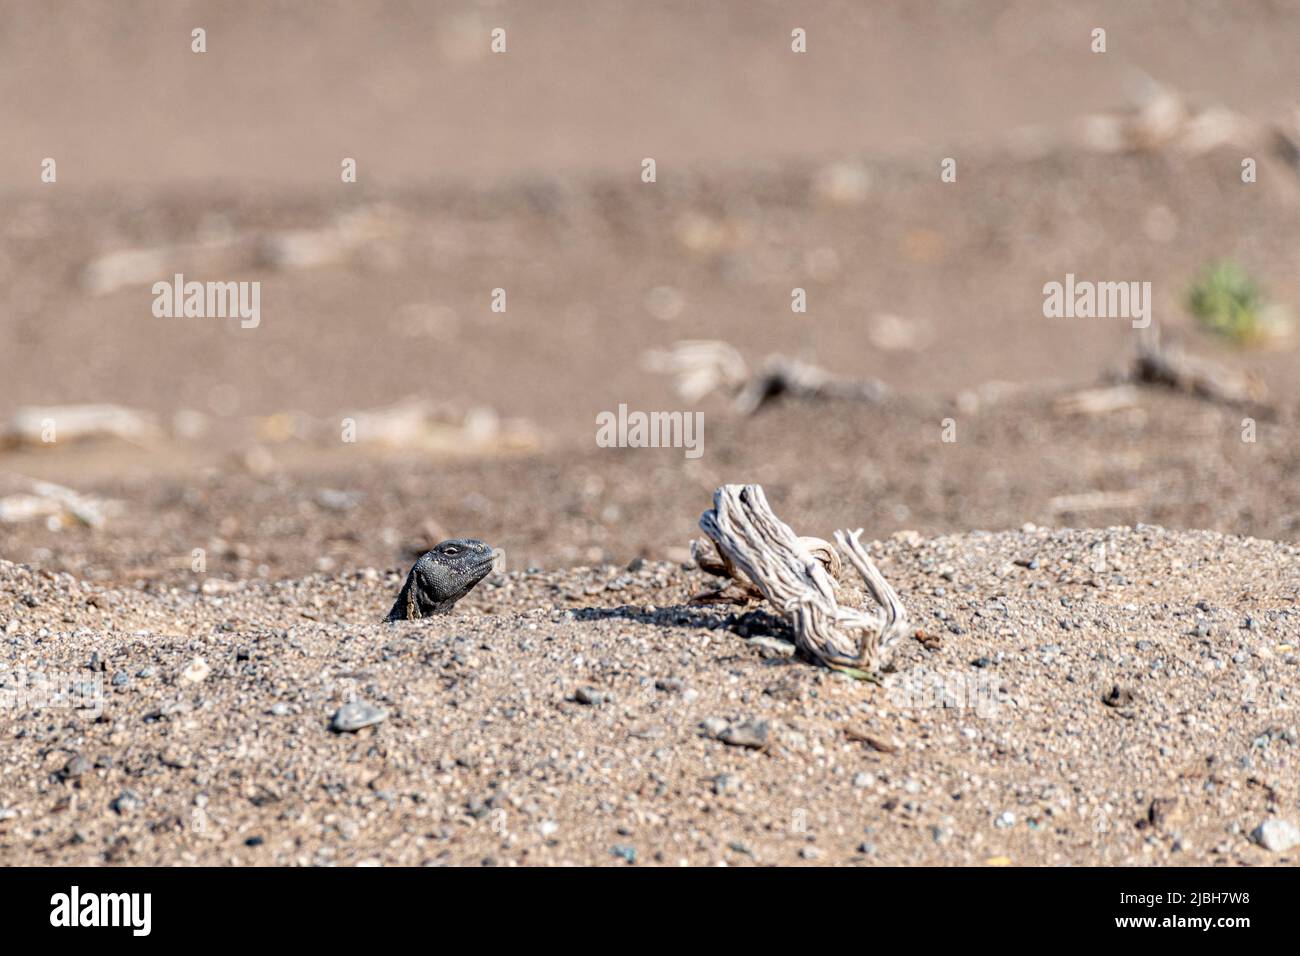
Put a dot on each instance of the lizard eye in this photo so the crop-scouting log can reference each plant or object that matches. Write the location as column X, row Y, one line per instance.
column 451, row 550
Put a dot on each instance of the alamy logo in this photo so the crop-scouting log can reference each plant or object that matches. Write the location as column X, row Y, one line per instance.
column 209, row 300
column 925, row 689
column 103, row 909
column 32, row 689
column 1098, row 300
column 651, row 430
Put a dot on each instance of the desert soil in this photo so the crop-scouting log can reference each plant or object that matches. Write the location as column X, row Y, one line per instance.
column 1108, row 696
column 1103, row 606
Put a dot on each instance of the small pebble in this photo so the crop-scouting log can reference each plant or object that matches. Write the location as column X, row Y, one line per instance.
column 353, row 716
column 1276, row 835
column 748, row 733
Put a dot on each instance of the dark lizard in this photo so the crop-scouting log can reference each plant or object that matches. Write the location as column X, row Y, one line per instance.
column 441, row 577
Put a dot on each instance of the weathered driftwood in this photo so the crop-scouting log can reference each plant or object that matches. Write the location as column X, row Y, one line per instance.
column 786, row 376
column 1162, row 363
column 706, row 557
column 1088, row 501
column 754, row 541
column 221, row 248
column 60, row 507
column 37, row 425
column 1158, row 117
column 701, row 367
column 1097, row 401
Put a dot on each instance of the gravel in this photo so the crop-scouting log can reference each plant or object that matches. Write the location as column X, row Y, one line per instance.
column 462, row 738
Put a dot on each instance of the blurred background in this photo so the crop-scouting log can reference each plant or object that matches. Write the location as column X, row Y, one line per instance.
column 522, row 171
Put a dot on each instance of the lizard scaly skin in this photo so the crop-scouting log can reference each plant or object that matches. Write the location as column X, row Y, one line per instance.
column 441, row 577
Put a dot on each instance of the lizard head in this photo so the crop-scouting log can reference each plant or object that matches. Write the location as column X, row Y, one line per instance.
column 442, row 576
column 449, row 570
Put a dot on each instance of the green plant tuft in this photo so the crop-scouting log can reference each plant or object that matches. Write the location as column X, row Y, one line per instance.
column 1228, row 302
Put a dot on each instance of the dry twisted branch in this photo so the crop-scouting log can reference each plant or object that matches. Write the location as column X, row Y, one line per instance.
column 701, row 367
column 752, row 539
column 707, row 558
column 1159, row 362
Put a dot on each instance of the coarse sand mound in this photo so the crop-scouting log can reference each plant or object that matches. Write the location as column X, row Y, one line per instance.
column 1066, row 697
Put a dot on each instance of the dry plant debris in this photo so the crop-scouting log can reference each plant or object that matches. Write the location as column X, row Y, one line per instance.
column 704, row 366
column 750, row 537
column 1162, row 363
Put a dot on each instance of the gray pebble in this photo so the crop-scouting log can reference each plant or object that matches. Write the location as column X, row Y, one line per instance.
column 1276, row 835
column 725, row 784
column 747, row 733
column 351, row 717
column 773, row 647
column 713, row 726
column 75, row 767
column 127, row 802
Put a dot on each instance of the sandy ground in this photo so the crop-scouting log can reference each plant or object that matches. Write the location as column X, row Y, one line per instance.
column 1118, row 696
column 241, row 528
